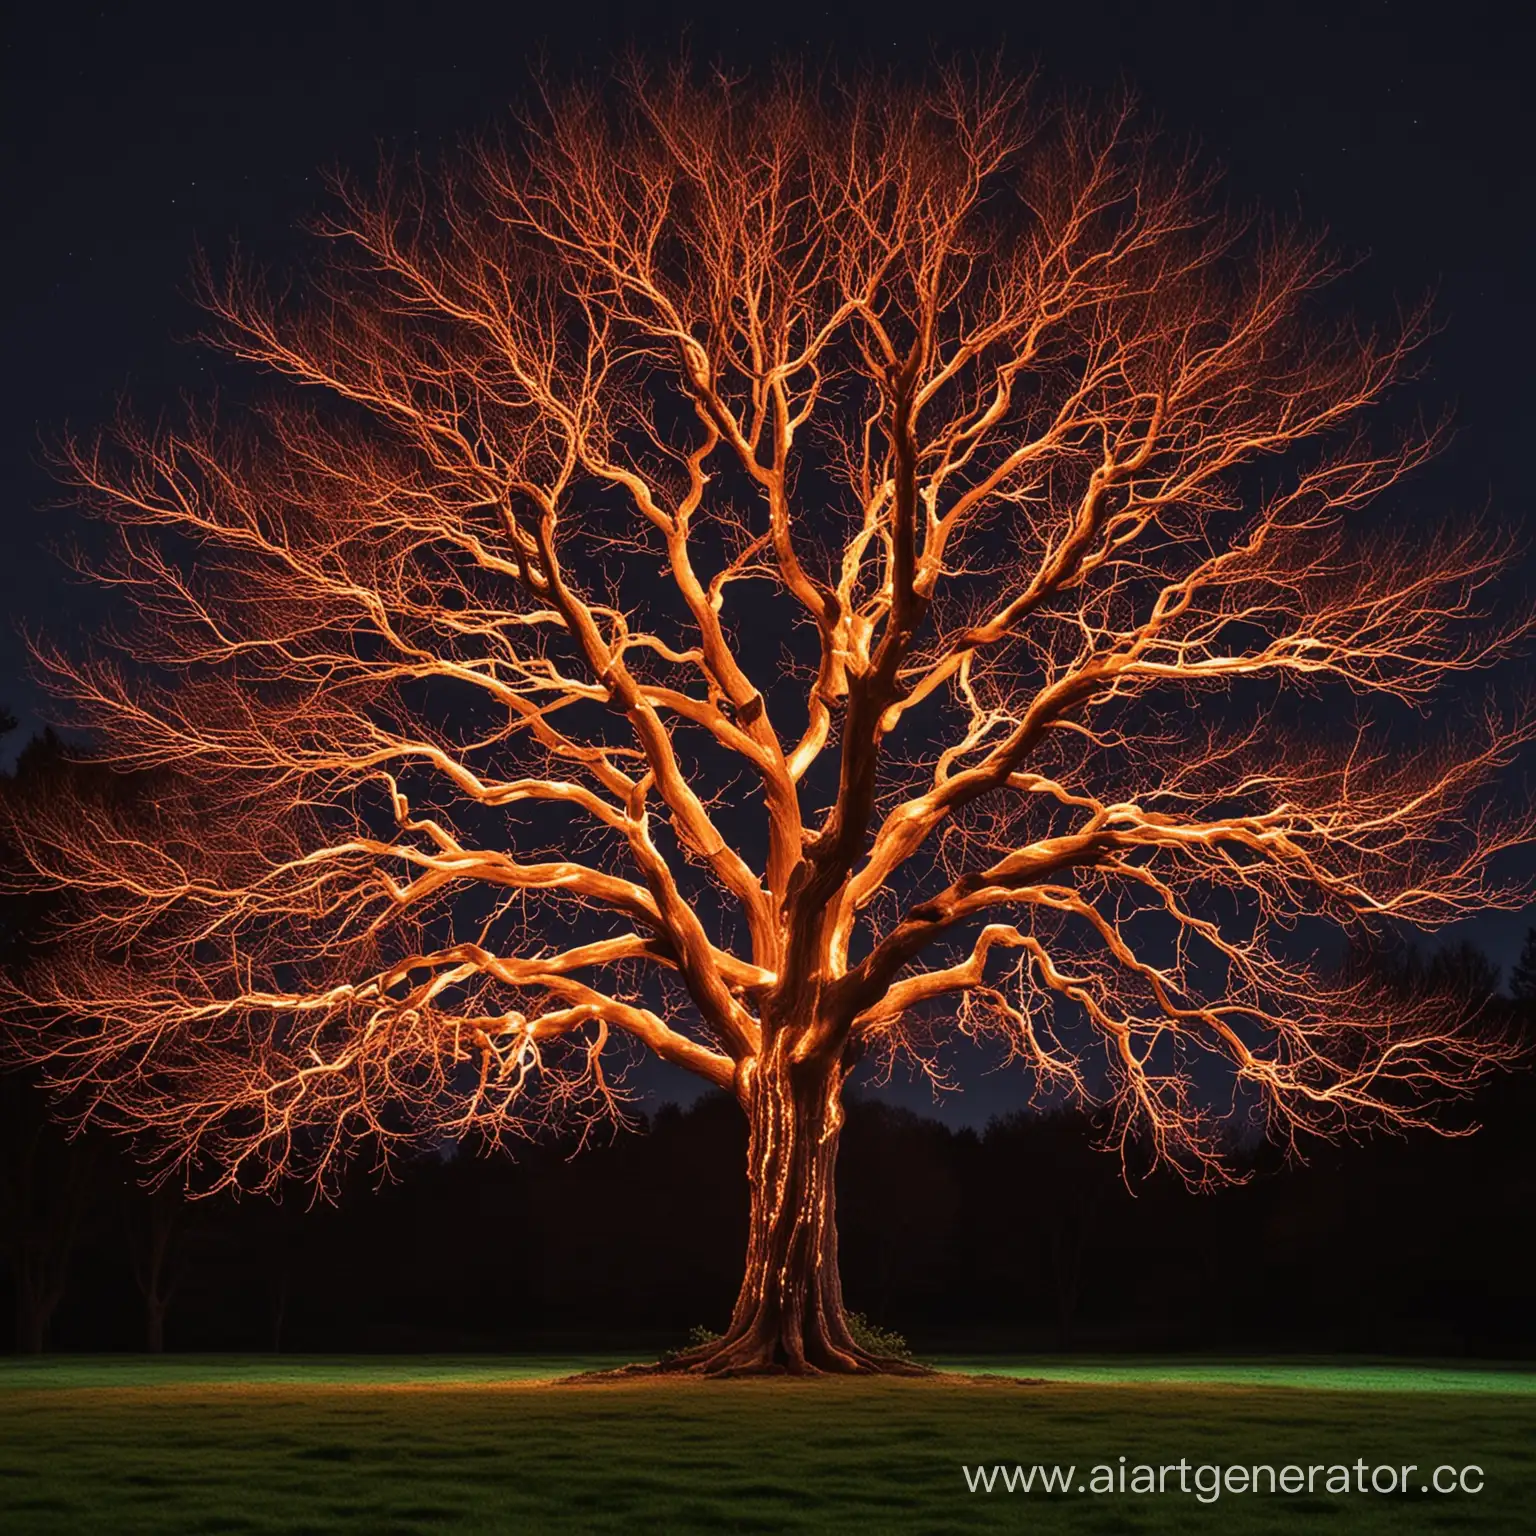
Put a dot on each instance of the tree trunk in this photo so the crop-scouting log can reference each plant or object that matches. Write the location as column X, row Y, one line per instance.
column 277, row 1307
column 40, row 1269
column 1066, row 1273
column 34, row 1311
column 789, row 1315
column 152, row 1261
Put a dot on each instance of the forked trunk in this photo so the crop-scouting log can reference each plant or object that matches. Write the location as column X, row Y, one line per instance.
column 789, row 1316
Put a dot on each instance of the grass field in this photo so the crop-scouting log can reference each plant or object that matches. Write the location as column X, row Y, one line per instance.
column 250, row 1444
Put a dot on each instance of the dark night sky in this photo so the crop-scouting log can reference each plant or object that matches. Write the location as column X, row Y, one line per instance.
column 132, row 133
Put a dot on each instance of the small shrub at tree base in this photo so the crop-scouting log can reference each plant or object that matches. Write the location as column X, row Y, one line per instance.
column 875, row 1340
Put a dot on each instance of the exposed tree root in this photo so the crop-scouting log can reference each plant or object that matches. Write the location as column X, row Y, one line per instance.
column 714, row 1361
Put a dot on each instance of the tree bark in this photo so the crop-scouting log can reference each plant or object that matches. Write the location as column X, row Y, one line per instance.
column 789, row 1315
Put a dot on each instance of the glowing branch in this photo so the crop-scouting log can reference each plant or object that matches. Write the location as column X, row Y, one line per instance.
column 764, row 574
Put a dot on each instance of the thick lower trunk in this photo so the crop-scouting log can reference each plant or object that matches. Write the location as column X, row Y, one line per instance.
column 789, row 1315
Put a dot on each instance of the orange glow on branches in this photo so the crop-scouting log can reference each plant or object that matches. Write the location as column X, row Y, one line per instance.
column 1048, row 463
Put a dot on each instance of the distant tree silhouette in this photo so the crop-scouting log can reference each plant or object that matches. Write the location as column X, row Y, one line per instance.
column 1522, row 978
column 153, row 1220
column 52, row 1187
column 48, row 1186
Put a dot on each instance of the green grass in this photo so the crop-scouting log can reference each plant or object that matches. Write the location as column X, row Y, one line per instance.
column 89, row 1372
column 1322, row 1374
column 224, row 1444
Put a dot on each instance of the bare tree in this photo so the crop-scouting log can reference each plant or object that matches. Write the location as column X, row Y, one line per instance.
column 48, row 1185
column 152, row 1224
column 769, row 573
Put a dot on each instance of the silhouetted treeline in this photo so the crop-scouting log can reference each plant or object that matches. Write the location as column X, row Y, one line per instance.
column 1019, row 1237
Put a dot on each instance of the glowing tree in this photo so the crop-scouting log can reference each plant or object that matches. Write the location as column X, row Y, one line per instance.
column 771, row 575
